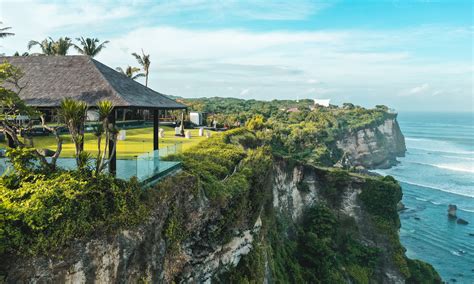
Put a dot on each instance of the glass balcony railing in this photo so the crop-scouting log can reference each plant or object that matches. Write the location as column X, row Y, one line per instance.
column 149, row 165
column 145, row 166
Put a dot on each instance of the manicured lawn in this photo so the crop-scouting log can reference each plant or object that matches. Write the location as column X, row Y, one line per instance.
column 138, row 141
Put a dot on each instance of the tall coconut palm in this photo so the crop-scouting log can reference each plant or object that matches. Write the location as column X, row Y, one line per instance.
column 89, row 46
column 144, row 61
column 51, row 47
column 4, row 33
column 130, row 72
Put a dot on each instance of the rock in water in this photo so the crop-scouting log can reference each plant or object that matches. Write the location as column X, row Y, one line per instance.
column 462, row 221
column 452, row 211
column 401, row 206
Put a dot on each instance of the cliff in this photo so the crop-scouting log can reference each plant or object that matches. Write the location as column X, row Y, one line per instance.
column 373, row 147
column 277, row 221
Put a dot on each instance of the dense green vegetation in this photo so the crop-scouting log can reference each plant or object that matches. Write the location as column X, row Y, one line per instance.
column 40, row 211
column 298, row 130
column 43, row 210
column 321, row 249
column 231, row 169
column 380, row 197
column 325, row 246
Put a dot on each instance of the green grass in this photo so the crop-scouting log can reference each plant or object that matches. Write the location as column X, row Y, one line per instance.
column 138, row 141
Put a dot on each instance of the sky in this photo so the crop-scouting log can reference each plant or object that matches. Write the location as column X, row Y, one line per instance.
column 412, row 55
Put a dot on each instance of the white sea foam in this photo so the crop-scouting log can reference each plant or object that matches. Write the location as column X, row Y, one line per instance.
column 436, row 146
column 468, row 168
column 455, row 253
column 420, row 199
column 459, row 158
column 467, row 210
column 447, row 151
column 470, row 194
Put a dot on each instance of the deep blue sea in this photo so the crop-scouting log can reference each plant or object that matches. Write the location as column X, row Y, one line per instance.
column 438, row 170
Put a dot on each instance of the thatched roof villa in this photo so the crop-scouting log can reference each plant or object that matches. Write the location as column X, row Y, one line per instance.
column 48, row 80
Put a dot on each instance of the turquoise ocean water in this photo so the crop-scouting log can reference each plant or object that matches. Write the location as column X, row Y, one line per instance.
column 438, row 170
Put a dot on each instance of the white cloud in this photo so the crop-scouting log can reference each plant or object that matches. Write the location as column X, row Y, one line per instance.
column 272, row 64
column 250, row 9
column 244, row 92
column 419, row 89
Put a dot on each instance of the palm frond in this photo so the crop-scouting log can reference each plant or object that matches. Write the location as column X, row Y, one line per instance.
column 89, row 46
column 4, row 33
column 32, row 43
column 138, row 76
column 138, row 58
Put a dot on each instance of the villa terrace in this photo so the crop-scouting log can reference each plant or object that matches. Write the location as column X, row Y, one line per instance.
column 48, row 80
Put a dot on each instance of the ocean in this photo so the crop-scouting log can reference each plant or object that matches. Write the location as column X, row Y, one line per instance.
column 438, row 170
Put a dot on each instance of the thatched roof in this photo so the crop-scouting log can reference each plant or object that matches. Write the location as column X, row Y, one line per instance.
column 50, row 79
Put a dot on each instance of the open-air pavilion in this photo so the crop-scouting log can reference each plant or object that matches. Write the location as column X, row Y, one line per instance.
column 48, row 80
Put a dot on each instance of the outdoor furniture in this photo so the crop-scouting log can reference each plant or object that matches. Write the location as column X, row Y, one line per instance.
column 187, row 134
column 122, row 135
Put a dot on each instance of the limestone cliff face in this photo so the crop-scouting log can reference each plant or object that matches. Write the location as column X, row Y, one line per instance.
column 373, row 147
column 289, row 199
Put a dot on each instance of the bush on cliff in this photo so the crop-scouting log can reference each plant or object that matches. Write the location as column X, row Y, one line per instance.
column 231, row 169
column 47, row 211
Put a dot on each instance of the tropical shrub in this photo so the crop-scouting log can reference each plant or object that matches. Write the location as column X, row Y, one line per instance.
column 46, row 211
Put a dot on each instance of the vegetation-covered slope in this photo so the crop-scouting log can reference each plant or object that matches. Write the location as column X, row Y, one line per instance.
column 298, row 129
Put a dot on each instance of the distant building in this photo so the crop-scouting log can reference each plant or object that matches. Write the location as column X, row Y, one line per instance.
column 322, row 102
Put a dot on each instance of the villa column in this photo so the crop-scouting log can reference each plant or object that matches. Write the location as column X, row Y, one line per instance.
column 156, row 129
column 112, row 151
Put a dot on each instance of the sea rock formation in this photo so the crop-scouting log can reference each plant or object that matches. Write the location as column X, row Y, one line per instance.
column 373, row 147
column 452, row 209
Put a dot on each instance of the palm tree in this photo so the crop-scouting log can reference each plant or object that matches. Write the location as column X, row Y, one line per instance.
column 46, row 46
column 4, row 33
column 89, row 46
column 74, row 114
column 50, row 47
column 130, row 72
column 62, row 45
column 145, row 62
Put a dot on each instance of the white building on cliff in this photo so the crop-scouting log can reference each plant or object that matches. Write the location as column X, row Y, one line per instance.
column 322, row 102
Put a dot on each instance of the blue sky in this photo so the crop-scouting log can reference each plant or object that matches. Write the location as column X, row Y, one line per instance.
column 410, row 55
